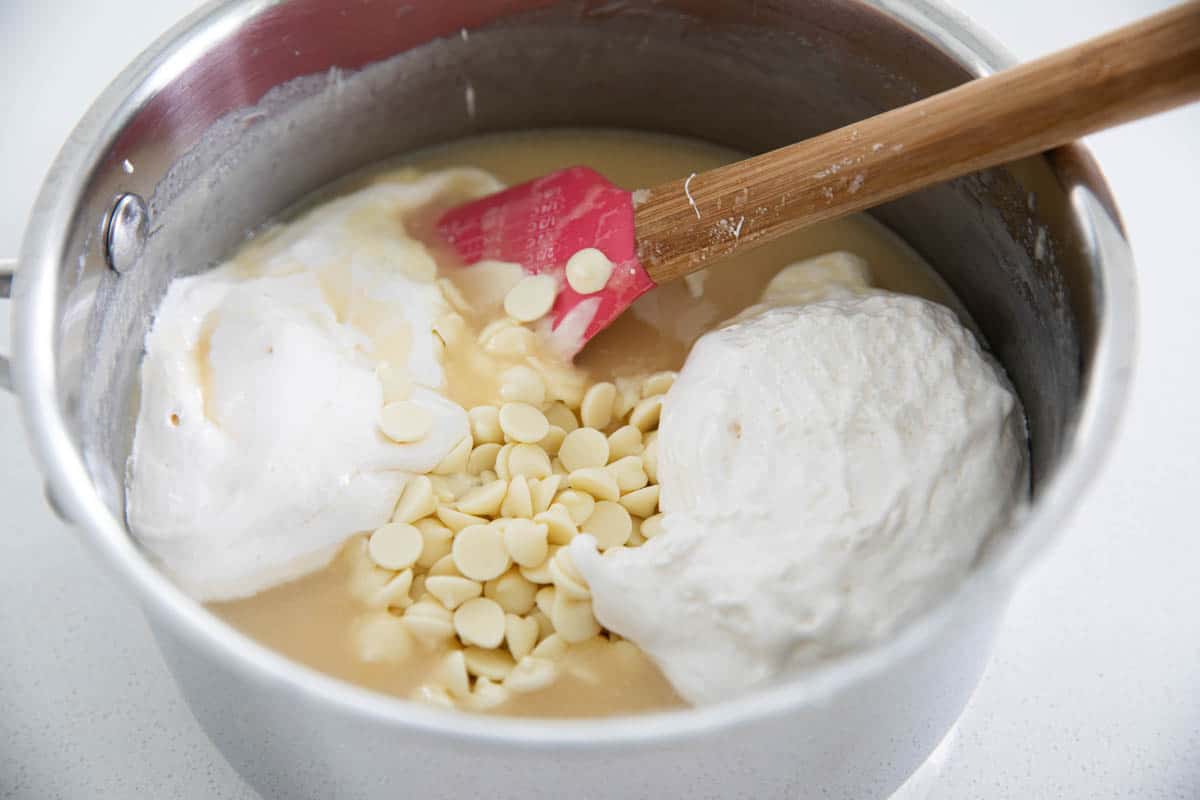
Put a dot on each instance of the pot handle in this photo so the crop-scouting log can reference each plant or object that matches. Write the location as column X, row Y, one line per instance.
column 8, row 267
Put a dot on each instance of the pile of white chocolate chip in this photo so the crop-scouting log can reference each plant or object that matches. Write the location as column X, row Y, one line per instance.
column 472, row 568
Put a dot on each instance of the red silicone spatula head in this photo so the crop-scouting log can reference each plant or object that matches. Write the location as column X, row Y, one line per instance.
column 541, row 224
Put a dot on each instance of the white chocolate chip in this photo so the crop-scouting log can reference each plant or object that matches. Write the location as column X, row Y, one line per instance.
column 456, row 520
column 579, row 504
column 485, row 424
column 404, row 421
column 531, row 298
column 479, row 553
column 558, row 414
column 518, row 502
column 501, row 465
column 429, row 621
column 483, row 457
column 545, row 626
column 553, row 440
column 551, row 648
column 435, row 539
column 483, row 500
column 522, row 422
column 561, row 529
column 588, row 270
column 596, row 481
column 451, row 673
column 658, row 383
column 597, row 407
column 530, row 675
column 545, row 600
column 521, row 384
column 567, row 578
column 380, row 638
column 583, row 447
column 451, row 590
column 396, row 545
column 543, row 490
column 652, row 526
column 521, row 634
column 646, row 413
column 487, row 695
column 444, row 566
column 512, row 342
column 629, row 473
column 490, row 664
column 624, row 441
column 526, row 542
column 541, row 573
column 641, row 502
column 528, row 460
column 610, row 524
column 480, row 622
column 650, row 457
column 512, row 592
column 456, row 460
column 417, row 500
column 395, row 593
column 628, row 394
column 573, row 619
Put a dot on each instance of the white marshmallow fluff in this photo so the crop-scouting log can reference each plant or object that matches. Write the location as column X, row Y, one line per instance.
column 258, row 447
column 830, row 464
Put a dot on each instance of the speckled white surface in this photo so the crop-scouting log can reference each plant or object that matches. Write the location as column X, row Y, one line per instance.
column 1094, row 689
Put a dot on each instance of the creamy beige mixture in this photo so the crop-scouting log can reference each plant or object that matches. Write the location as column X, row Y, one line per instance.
column 553, row 450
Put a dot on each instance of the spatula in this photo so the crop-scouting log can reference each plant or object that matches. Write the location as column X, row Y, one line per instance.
column 665, row 232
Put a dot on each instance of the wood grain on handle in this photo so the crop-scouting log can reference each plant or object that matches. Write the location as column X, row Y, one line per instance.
column 1136, row 71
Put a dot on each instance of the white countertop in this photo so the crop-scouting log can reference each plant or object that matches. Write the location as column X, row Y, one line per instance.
column 1094, row 688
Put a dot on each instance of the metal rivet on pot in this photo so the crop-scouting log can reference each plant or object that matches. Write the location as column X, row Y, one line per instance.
column 125, row 232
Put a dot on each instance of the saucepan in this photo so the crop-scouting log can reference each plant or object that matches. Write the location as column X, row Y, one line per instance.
column 248, row 105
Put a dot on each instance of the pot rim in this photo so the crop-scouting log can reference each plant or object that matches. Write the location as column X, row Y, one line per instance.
column 35, row 333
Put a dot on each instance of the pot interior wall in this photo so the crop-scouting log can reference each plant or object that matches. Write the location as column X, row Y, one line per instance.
column 218, row 151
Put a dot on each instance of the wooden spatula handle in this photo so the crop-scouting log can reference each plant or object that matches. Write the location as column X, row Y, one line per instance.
column 1133, row 72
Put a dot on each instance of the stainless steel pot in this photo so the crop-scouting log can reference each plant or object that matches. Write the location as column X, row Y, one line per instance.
column 248, row 105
